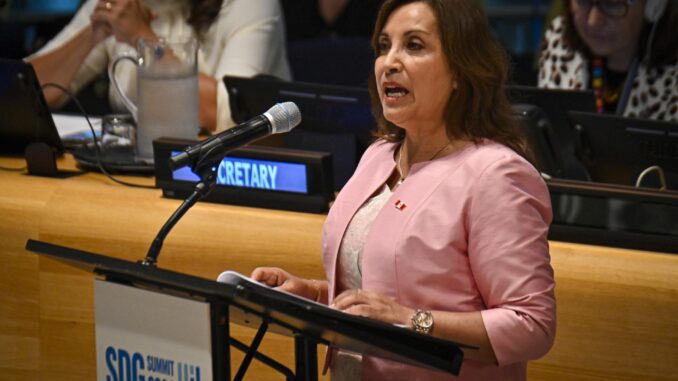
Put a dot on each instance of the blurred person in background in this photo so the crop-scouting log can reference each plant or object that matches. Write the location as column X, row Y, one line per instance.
column 626, row 51
column 237, row 37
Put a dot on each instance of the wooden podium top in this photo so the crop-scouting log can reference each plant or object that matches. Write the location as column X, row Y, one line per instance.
column 616, row 308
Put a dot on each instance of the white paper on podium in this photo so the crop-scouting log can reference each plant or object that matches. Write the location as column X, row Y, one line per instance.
column 231, row 277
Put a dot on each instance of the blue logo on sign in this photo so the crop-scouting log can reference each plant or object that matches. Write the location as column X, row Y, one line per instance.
column 125, row 366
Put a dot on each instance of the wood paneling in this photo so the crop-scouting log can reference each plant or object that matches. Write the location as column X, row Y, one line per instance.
column 19, row 283
column 617, row 314
column 616, row 308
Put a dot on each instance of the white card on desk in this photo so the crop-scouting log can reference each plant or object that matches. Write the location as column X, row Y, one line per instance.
column 75, row 127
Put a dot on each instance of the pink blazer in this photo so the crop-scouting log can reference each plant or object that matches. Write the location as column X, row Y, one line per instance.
column 471, row 236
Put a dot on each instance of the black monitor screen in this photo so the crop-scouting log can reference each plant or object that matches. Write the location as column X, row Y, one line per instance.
column 334, row 119
column 24, row 115
column 617, row 150
column 556, row 103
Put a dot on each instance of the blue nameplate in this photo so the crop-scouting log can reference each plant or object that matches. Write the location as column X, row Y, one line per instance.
column 264, row 177
column 256, row 174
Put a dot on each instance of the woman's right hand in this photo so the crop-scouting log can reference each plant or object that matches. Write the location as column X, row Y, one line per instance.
column 128, row 20
column 101, row 29
column 281, row 279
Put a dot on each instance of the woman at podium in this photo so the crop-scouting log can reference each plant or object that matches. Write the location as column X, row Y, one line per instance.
column 443, row 226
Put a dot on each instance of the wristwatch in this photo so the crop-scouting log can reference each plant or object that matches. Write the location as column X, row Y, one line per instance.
column 422, row 321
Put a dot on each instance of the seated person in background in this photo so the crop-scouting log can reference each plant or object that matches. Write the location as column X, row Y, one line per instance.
column 237, row 37
column 625, row 50
column 443, row 226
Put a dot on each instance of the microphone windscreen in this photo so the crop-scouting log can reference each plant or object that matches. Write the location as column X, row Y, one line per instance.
column 283, row 117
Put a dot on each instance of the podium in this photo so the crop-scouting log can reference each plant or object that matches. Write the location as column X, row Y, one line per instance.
column 241, row 301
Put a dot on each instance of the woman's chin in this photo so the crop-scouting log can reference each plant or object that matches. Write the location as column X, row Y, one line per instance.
column 600, row 48
column 396, row 117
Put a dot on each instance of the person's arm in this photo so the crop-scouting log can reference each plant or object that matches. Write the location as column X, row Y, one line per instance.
column 62, row 59
column 207, row 101
column 311, row 289
column 560, row 66
column 462, row 327
column 61, row 65
column 127, row 20
column 508, row 224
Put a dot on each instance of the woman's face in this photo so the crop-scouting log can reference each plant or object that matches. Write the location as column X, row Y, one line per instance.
column 607, row 35
column 414, row 81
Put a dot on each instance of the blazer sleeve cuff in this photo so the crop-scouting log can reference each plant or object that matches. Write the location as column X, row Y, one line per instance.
column 515, row 336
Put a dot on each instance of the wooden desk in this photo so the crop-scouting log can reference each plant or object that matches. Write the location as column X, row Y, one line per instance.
column 46, row 309
column 617, row 309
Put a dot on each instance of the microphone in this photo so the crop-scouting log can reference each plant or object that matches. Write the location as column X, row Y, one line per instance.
column 280, row 118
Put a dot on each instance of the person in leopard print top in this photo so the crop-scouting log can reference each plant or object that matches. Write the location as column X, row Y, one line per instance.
column 604, row 46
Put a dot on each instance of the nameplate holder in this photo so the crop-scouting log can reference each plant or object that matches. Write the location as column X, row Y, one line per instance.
column 258, row 176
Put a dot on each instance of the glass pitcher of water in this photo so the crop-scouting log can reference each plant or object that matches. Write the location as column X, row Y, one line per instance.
column 167, row 91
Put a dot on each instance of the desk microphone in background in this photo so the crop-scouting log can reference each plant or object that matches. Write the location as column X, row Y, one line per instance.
column 280, row 118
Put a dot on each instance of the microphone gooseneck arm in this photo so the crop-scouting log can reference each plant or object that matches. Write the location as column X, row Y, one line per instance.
column 203, row 156
column 202, row 189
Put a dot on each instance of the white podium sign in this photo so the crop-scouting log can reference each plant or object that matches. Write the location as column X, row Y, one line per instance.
column 147, row 336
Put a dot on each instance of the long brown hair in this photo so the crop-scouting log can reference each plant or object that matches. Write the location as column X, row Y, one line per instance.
column 664, row 48
column 202, row 15
column 479, row 107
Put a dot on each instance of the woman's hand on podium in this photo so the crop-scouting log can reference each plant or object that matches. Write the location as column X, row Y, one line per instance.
column 276, row 277
column 373, row 305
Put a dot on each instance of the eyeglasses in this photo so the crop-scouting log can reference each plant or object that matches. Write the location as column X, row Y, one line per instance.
column 610, row 8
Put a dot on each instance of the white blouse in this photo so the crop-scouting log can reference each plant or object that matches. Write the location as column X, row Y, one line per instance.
column 347, row 366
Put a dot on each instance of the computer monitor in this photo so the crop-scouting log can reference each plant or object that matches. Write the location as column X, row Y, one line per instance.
column 617, row 150
column 614, row 215
column 556, row 104
column 24, row 115
column 540, row 138
column 334, row 119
